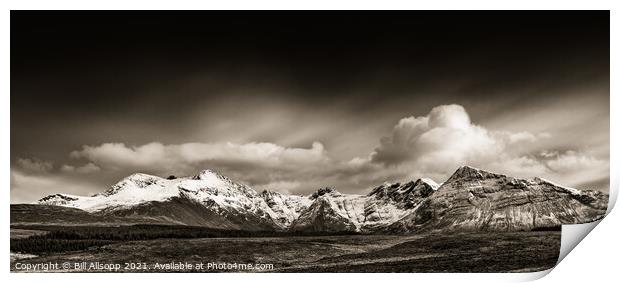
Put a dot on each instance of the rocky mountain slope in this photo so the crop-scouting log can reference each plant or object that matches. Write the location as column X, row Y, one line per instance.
column 471, row 199
column 386, row 204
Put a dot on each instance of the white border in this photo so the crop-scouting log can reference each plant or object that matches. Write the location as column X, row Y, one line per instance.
column 589, row 265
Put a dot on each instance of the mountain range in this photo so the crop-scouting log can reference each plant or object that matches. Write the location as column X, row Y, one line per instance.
column 470, row 200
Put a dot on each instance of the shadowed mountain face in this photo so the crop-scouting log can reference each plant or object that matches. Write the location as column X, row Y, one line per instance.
column 471, row 200
column 408, row 195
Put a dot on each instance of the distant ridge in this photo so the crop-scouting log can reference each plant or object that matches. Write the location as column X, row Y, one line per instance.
column 471, row 199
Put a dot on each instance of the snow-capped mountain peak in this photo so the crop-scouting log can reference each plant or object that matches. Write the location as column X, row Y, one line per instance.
column 398, row 190
column 431, row 183
column 467, row 200
column 133, row 181
column 325, row 191
column 407, row 195
column 213, row 176
column 286, row 208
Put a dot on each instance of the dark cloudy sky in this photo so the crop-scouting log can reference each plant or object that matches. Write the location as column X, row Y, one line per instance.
column 291, row 101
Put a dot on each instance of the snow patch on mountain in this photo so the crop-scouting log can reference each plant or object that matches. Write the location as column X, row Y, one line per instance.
column 286, row 208
column 332, row 210
column 471, row 199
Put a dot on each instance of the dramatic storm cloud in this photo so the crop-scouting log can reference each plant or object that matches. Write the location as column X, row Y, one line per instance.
column 351, row 101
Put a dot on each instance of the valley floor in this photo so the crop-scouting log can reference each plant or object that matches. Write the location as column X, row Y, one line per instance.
column 460, row 252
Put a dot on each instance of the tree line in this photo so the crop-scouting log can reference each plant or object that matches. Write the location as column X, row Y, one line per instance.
column 63, row 238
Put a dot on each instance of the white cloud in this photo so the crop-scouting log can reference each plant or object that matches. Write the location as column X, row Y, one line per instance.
column 34, row 165
column 159, row 156
column 27, row 187
column 436, row 144
column 84, row 169
column 576, row 168
column 262, row 165
column 571, row 168
column 521, row 137
column 280, row 186
column 442, row 140
column 572, row 161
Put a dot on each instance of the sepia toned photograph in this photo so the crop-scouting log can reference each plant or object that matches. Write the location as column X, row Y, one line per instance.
column 305, row 141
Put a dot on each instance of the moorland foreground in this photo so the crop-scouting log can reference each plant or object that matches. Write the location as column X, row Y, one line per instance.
column 159, row 249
